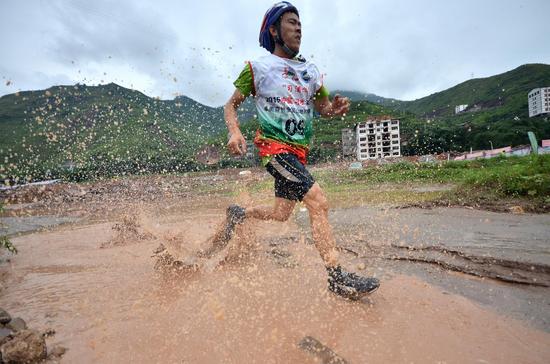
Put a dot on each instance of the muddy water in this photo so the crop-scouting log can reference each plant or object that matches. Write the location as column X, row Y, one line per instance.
column 109, row 305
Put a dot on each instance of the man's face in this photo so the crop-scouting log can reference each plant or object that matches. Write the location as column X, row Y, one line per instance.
column 291, row 30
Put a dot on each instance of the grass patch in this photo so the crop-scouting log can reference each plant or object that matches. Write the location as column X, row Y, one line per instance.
column 5, row 243
column 343, row 198
column 527, row 177
column 494, row 184
column 262, row 186
column 507, row 176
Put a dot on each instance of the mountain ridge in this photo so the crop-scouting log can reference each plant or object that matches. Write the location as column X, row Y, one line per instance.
column 110, row 127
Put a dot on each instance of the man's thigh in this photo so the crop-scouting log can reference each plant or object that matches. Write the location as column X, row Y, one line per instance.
column 292, row 179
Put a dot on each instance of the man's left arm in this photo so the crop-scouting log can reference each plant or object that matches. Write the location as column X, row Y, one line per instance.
column 338, row 106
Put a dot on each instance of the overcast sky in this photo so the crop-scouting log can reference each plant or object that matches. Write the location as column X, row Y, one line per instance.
column 404, row 49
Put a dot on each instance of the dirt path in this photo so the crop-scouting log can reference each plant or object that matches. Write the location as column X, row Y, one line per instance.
column 109, row 305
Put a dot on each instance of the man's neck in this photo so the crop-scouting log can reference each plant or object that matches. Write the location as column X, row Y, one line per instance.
column 298, row 58
column 280, row 53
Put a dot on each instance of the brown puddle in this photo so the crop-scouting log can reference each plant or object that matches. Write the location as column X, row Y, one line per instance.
column 110, row 305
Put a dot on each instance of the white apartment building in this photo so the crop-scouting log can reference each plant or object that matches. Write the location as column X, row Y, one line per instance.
column 539, row 101
column 460, row 108
column 378, row 139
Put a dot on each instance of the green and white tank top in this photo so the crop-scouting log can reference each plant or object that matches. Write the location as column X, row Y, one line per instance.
column 284, row 91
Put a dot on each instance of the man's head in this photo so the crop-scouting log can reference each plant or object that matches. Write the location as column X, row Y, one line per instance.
column 281, row 28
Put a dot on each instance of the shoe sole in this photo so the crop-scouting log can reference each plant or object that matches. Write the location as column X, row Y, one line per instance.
column 232, row 220
column 351, row 293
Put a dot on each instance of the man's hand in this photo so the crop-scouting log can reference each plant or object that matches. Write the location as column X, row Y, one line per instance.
column 237, row 144
column 340, row 105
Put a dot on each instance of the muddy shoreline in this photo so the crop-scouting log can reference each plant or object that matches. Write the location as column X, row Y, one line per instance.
column 475, row 281
column 108, row 304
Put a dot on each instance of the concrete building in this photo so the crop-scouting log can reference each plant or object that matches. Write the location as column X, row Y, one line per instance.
column 460, row 108
column 521, row 150
column 378, row 139
column 539, row 101
column 545, row 148
column 497, row 152
column 349, row 143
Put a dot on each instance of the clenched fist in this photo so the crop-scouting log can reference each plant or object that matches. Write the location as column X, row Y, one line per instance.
column 237, row 144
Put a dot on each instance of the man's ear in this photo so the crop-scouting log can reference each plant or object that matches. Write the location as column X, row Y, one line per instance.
column 273, row 31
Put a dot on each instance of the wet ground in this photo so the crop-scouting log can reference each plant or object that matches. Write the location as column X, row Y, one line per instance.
column 518, row 237
column 264, row 298
column 23, row 224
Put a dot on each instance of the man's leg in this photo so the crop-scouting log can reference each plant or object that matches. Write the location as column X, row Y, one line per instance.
column 317, row 205
column 280, row 211
column 343, row 283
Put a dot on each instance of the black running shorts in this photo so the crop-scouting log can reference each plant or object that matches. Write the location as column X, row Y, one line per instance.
column 292, row 180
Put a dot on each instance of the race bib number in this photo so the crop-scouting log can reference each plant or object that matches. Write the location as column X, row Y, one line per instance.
column 294, row 127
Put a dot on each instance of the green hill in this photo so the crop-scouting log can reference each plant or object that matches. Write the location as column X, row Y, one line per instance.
column 497, row 113
column 100, row 130
column 92, row 131
column 508, row 90
column 375, row 99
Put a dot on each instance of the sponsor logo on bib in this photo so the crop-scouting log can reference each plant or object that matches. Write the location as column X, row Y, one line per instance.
column 288, row 73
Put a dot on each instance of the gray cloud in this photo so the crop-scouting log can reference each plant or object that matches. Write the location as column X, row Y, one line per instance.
column 92, row 32
column 394, row 48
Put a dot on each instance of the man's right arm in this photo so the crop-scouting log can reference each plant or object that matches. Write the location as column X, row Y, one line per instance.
column 237, row 143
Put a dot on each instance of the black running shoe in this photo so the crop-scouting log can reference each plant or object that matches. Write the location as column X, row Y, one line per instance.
column 350, row 285
column 235, row 216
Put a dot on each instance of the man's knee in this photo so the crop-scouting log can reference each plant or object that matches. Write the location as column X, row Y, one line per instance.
column 316, row 201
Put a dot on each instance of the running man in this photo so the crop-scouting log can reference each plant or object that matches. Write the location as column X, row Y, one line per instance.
column 287, row 89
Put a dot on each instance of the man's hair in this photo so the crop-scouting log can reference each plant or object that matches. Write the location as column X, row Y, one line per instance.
column 278, row 22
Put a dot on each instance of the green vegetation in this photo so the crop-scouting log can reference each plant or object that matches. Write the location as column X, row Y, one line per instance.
column 82, row 132
column 505, row 176
column 524, row 179
column 519, row 176
column 497, row 184
column 85, row 132
column 497, row 115
column 505, row 89
column 5, row 243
